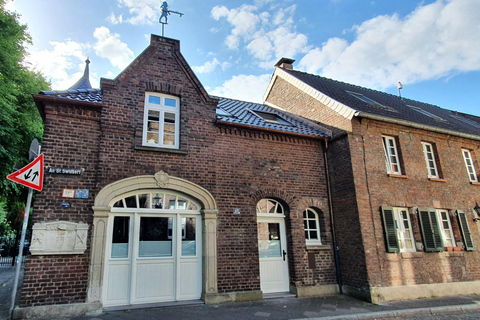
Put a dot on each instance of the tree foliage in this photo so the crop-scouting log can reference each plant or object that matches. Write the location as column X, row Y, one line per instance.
column 19, row 118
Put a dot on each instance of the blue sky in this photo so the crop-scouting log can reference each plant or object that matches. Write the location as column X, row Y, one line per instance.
column 432, row 47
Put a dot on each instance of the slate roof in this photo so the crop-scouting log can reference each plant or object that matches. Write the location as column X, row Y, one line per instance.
column 392, row 106
column 86, row 95
column 84, row 81
column 243, row 113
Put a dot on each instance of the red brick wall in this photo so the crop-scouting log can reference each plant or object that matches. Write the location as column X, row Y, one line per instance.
column 71, row 140
column 251, row 166
column 455, row 192
column 360, row 185
column 237, row 167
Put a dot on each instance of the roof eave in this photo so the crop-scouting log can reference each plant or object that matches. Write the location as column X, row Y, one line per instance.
column 250, row 127
column 416, row 125
column 41, row 99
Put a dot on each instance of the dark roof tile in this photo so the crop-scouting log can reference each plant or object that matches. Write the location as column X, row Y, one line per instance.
column 395, row 107
column 242, row 112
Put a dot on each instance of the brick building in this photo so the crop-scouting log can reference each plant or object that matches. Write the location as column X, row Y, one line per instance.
column 157, row 192
column 405, row 182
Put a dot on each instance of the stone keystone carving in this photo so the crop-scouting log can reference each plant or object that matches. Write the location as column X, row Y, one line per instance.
column 59, row 237
column 162, row 179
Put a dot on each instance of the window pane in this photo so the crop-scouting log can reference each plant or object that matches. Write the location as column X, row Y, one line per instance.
column 170, row 102
column 312, row 224
column 154, row 99
column 181, row 203
column 144, row 201
column 120, row 236
column 153, row 237
column 131, row 202
column 152, row 137
column 269, row 240
column 157, row 201
column 170, row 201
column 118, row 204
column 313, row 235
column 192, row 206
column 189, row 244
column 153, row 115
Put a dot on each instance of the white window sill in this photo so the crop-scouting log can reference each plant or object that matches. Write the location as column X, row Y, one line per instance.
column 160, row 149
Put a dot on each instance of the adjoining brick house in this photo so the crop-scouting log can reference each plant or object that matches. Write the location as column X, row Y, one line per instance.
column 155, row 191
column 405, row 182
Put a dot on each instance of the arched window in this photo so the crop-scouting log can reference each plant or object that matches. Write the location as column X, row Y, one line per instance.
column 269, row 207
column 312, row 227
column 155, row 199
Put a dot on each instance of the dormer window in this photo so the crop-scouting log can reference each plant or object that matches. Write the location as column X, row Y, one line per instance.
column 161, row 121
column 426, row 113
column 465, row 120
column 370, row 102
column 222, row 112
column 271, row 117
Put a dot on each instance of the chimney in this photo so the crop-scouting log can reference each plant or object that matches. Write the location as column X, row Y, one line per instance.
column 285, row 63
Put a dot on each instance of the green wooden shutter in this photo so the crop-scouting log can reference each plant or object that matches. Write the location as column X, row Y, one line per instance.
column 467, row 236
column 432, row 239
column 390, row 229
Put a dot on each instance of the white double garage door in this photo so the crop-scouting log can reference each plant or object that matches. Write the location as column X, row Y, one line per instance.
column 153, row 250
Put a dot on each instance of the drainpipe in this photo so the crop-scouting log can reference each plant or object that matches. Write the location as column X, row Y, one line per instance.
column 332, row 223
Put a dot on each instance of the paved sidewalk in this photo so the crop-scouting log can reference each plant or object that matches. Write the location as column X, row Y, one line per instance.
column 337, row 307
column 333, row 307
column 7, row 275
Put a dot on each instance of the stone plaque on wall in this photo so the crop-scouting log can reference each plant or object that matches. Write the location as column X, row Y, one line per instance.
column 59, row 237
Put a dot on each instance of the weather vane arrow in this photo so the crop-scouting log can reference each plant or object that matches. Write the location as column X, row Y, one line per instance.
column 165, row 13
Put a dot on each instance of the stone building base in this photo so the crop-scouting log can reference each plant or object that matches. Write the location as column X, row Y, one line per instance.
column 382, row 294
column 58, row 311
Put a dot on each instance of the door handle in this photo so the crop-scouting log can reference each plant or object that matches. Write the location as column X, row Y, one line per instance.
column 284, row 254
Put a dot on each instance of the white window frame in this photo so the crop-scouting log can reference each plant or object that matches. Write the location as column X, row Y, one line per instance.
column 446, row 228
column 162, row 108
column 430, row 161
column 400, row 214
column 308, row 240
column 468, row 160
column 392, row 160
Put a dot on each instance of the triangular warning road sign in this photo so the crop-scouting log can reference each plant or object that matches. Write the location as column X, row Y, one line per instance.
column 31, row 175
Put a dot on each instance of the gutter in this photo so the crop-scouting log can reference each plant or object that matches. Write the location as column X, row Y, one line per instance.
column 332, row 222
column 416, row 125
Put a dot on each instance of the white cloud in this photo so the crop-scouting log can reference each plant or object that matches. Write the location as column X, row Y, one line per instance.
column 243, row 87
column 244, row 21
column 435, row 40
column 111, row 47
column 141, row 11
column 58, row 63
column 115, row 20
column 267, row 36
column 207, row 67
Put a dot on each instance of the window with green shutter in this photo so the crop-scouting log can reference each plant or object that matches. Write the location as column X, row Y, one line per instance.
column 391, row 239
column 432, row 238
column 467, row 236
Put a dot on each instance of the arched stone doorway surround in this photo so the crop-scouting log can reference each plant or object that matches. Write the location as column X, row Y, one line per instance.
column 159, row 180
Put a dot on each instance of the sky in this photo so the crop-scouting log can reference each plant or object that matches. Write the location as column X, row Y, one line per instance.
column 431, row 47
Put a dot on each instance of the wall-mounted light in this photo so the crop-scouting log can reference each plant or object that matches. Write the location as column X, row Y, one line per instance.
column 477, row 211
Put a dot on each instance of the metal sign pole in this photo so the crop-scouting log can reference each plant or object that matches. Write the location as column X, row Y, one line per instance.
column 34, row 153
column 20, row 251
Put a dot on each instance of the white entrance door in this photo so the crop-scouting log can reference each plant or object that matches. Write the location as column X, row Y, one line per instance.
column 272, row 250
column 153, row 257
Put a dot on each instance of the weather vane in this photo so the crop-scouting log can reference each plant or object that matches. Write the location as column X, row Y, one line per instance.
column 165, row 14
